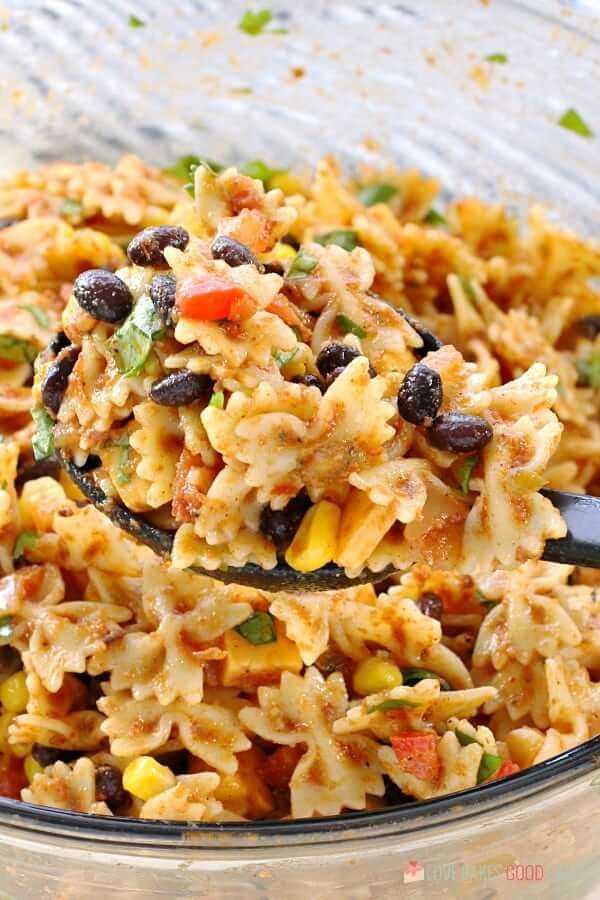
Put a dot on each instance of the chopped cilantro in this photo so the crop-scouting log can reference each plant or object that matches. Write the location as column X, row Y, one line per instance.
column 37, row 313
column 501, row 58
column 42, row 441
column 573, row 122
column 414, row 675
column 16, row 349
column 71, row 209
column 258, row 628
column 132, row 343
column 392, row 704
column 434, row 218
column 370, row 194
column 489, row 765
column 135, row 22
column 254, row 23
column 283, row 357
column 257, row 168
column 589, row 370
column 465, row 471
column 347, row 326
column 218, row 400
column 25, row 541
column 302, row 265
column 5, row 626
column 346, row 238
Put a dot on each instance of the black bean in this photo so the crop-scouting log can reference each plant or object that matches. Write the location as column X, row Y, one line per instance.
column 335, row 356
column 43, row 467
column 309, row 381
column 393, row 795
column 431, row 605
column 57, row 378
column 273, row 268
column 47, row 756
column 329, row 379
column 162, row 294
column 58, row 343
column 109, row 787
column 232, row 252
column 103, row 295
column 420, row 395
column 430, row 341
column 280, row 525
column 590, row 326
column 459, row 433
column 180, row 388
column 8, row 221
column 146, row 248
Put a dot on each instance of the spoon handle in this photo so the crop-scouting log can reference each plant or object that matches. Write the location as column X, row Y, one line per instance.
column 581, row 545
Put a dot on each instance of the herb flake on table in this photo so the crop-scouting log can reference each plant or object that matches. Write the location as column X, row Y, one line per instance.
column 254, row 23
column 500, row 58
column 135, row 22
column 572, row 121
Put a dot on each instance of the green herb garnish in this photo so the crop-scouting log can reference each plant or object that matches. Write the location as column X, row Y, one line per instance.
column 489, row 765
column 135, row 22
column 346, row 238
column 184, row 168
column 434, row 218
column 71, row 209
column 412, row 676
column 467, row 287
column 463, row 738
column 258, row 628
column 302, row 265
column 573, row 122
column 392, row 704
column 16, row 349
column 132, row 343
column 370, row 194
column 465, row 471
column 42, row 441
column 217, row 399
column 25, row 541
column 501, row 58
column 485, row 601
column 347, row 326
column 282, row 357
column 589, row 370
column 123, row 475
column 38, row 314
column 257, row 168
column 254, row 23
column 5, row 626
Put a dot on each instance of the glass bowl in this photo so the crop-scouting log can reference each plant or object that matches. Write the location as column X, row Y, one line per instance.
column 401, row 82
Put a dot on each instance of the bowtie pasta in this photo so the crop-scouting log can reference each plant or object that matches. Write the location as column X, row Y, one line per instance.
column 288, row 369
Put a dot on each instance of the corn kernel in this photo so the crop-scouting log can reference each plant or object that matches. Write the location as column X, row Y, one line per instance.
column 5, row 720
column 524, row 745
column 286, row 182
column 20, row 750
column 32, row 768
column 144, row 777
column 14, row 695
column 315, row 542
column 375, row 674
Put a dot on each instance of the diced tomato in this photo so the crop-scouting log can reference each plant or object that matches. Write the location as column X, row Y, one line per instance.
column 278, row 768
column 12, row 778
column 207, row 299
column 507, row 768
column 417, row 754
column 242, row 308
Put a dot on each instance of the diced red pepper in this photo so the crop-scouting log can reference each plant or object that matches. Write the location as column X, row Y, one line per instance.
column 242, row 308
column 507, row 768
column 12, row 778
column 417, row 754
column 207, row 299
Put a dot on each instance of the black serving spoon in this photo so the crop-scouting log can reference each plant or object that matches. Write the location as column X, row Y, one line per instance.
column 581, row 546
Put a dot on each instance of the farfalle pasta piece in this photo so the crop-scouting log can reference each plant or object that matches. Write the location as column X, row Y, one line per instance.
column 458, row 769
column 334, row 772
column 248, row 547
column 67, row 787
column 73, row 731
column 159, row 442
column 190, row 800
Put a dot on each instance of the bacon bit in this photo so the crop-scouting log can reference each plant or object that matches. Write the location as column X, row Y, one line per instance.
column 417, row 754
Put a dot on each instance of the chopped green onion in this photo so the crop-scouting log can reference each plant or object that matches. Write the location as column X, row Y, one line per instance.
column 42, row 441
column 218, row 400
column 464, row 739
column 132, row 343
column 16, row 349
column 184, row 167
column 465, row 471
column 258, row 628
column 257, row 168
column 346, row 238
column 39, row 315
column 501, row 58
column 414, row 675
column 434, row 218
column 485, row 601
column 347, row 326
column 253, row 23
column 135, row 22
column 71, row 209
column 370, row 194
column 123, row 475
column 467, row 287
column 489, row 765
column 573, row 122
column 25, row 541
column 392, row 704
column 589, row 370
column 5, row 626
column 302, row 265
column 282, row 357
